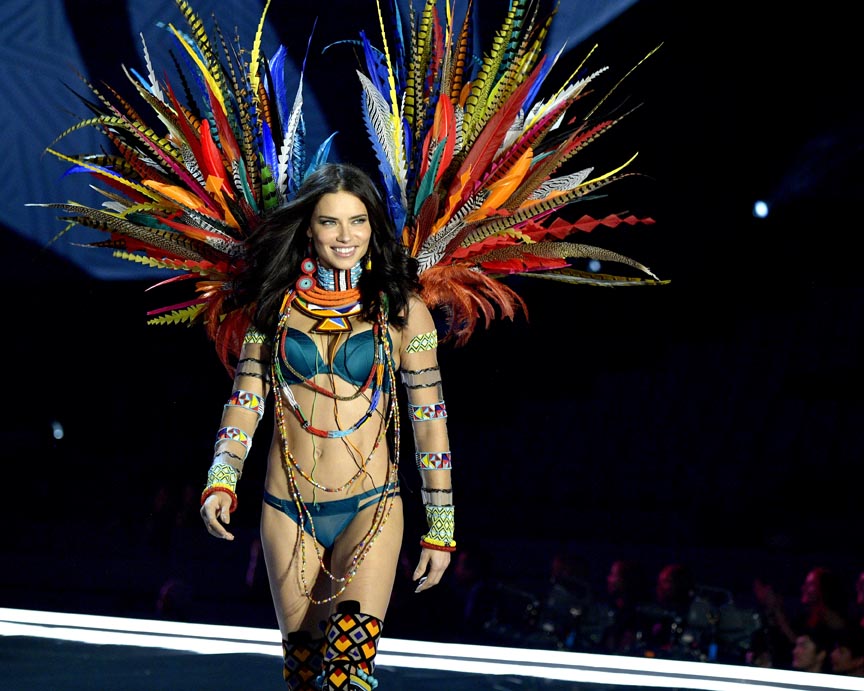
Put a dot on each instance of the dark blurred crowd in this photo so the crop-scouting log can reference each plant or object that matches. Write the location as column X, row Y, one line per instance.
column 667, row 614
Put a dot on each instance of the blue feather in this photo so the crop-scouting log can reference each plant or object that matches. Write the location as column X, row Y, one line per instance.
column 321, row 155
column 376, row 67
column 277, row 71
column 397, row 43
column 532, row 92
column 267, row 147
column 144, row 82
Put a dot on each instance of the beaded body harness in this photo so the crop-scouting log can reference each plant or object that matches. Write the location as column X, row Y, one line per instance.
column 336, row 303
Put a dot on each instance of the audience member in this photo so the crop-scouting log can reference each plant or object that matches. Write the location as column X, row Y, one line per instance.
column 779, row 632
column 626, row 594
column 858, row 604
column 823, row 604
column 760, row 652
column 473, row 589
column 567, row 601
column 675, row 590
column 825, row 599
column 847, row 655
column 811, row 649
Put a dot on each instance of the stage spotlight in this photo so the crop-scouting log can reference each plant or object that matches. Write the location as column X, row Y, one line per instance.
column 761, row 209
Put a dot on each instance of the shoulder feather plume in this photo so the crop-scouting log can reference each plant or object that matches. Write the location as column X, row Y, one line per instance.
column 489, row 168
column 189, row 181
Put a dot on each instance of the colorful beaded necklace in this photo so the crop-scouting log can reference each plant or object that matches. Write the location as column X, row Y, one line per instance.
column 331, row 299
column 375, row 380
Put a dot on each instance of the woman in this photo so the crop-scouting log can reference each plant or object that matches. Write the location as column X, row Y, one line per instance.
column 336, row 312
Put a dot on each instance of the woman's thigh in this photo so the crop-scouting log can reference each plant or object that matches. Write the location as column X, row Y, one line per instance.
column 288, row 573
column 372, row 585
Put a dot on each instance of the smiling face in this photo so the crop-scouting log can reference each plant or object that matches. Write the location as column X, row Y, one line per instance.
column 340, row 230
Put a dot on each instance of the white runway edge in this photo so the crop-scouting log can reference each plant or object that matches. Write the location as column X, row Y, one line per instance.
column 208, row 639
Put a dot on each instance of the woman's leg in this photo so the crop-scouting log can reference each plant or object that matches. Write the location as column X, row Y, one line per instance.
column 373, row 583
column 300, row 622
column 354, row 629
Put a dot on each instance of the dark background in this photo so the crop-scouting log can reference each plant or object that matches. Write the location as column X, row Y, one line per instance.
column 716, row 420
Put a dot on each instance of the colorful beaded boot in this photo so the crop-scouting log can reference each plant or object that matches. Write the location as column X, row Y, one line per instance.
column 351, row 645
column 304, row 661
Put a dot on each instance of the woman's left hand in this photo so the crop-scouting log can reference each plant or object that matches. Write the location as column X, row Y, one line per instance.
column 431, row 567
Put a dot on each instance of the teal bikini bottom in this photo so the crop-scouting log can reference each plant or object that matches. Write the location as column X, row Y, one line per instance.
column 331, row 517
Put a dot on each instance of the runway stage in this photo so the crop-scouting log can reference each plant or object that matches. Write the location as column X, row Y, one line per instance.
column 74, row 652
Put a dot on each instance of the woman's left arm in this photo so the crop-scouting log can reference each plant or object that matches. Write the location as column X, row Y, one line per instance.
column 427, row 411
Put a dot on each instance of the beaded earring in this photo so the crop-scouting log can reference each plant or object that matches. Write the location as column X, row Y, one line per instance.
column 308, row 267
column 368, row 264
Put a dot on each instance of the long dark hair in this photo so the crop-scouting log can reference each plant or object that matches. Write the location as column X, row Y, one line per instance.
column 279, row 244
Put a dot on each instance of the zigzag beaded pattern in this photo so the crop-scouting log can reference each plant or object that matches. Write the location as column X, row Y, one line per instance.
column 441, row 524
column 422, row 342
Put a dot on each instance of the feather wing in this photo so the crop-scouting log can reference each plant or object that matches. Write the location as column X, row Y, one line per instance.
column 193, row 170
column 489, row 207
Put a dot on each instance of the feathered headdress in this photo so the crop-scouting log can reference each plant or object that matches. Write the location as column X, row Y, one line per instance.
column 190, row 178
column 471, row 160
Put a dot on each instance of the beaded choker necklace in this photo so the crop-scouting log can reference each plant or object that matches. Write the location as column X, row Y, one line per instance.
column 331, row 300
column 337, row 279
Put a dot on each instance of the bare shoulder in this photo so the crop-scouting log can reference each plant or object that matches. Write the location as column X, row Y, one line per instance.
column 419, row 317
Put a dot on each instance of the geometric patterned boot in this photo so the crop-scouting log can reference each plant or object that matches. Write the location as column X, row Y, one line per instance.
column 351, row 641
column 304, row 661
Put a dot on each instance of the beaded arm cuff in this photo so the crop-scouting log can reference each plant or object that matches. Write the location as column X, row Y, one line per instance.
column 222, row 477
column 441, row 524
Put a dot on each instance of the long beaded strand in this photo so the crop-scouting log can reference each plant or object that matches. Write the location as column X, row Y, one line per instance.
column 385, row 504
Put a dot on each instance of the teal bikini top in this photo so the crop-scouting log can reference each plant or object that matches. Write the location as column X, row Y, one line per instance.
column 353, row 360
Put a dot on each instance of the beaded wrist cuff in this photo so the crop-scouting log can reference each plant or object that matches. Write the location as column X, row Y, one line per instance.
column 222, row 477
column 441, row 526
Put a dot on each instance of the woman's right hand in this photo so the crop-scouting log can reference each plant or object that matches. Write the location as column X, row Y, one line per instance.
column 215, row 511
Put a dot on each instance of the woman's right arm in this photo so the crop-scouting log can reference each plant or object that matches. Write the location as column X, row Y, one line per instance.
column 240, row 418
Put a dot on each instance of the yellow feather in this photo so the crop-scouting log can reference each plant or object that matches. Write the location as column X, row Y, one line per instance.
column 211, row 80
column 256, row 52
column 94, row 169
column 395, row 117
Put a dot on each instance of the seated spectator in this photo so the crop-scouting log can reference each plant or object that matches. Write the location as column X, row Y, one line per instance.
column 566, row 603
column 847, row 655
column 626, row 594
column 760, row 651
column 825, row 600
column 668, row 615
column 811, row 649
column 822, row 604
